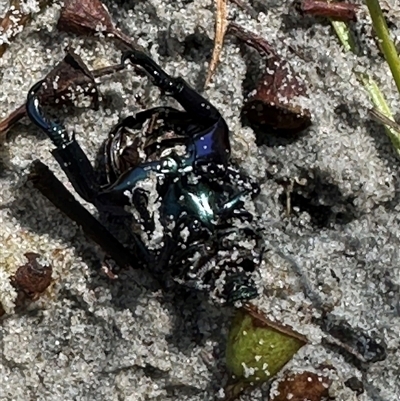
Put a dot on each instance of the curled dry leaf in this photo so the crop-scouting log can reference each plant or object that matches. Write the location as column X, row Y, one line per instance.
column 85, row 17
column 66, row 79
column 302, row 386
column 11, row 119
column 257, row 349
column 338, row 11
column 88, row 17
column 271, row 104
column 30, row 280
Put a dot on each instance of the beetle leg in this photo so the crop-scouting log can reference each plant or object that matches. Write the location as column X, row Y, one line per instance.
column 117, row 193
column 236, row 285
column 178, row 88
column 234, row 207
column 68, row 152
column 210, row 147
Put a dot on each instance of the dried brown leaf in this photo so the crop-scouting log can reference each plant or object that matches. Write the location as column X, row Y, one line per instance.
column 272, row 104
column 11, row 119
column 32, row 278
column 85, row 17
column 88, row 17
column 66, row 78
column 302, row 386
column 338, row 11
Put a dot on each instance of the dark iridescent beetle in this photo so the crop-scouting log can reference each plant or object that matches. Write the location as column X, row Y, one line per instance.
column 206, row 239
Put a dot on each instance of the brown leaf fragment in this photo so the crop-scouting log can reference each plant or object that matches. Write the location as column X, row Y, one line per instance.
column 272, row 103
column 68, row 80
column 221, row 25
column 63, row 83
column 85, row 17
column 88, row 17
column 338, row 11
column 260, row 321
column 32, row 278
column 306, row 386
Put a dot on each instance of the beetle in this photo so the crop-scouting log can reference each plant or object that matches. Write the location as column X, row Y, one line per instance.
column 172, row 168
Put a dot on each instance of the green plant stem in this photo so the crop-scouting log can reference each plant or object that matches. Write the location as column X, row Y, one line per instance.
column 387, row 46
column 377, row 97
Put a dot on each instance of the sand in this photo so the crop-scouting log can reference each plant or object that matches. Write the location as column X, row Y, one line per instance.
column 92, row 338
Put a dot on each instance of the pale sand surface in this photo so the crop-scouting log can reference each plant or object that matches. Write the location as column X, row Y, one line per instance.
column 91, row 338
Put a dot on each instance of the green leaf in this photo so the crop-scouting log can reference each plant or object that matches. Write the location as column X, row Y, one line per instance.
column 258, row 348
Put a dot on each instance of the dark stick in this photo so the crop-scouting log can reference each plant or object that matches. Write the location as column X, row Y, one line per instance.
column 256, row 42
column 112, row 69
column 54, row 190
column 338, row 11
column 12, row 119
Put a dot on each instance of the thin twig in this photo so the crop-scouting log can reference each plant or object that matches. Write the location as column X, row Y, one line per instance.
column 379, row 117
column 11, row 119
column 221, row 25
